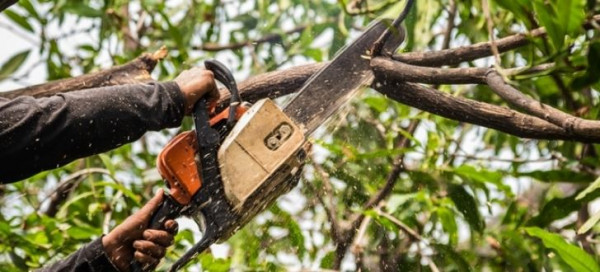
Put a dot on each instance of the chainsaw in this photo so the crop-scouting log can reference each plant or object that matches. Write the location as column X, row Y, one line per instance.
column 239, row 161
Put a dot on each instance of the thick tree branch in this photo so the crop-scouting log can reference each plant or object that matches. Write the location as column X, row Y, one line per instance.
column 273, row 84
column 135, row 71
column 467, row 53
column 413, row 73
column 472, row 52
column 434, row 75
column 470, row 111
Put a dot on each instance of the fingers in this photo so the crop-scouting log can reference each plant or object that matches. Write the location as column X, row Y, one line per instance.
column 159, row 237
column 149, row 249
column 148, row 262
column 171, row 226
column 196, row 83
column 152, row 205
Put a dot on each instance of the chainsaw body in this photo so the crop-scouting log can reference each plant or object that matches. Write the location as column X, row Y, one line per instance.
column 237, row 163
column 230, row 168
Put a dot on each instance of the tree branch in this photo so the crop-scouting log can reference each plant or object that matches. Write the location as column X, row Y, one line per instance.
column 135, row 71
column 467, row 53
column 470, row 111
column 571, row 124
column 434, row 75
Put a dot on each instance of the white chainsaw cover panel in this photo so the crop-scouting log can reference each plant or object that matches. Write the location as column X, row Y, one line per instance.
column 262, row 141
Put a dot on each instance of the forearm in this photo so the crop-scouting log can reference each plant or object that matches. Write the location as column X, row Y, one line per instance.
column 91, row 257
column 41, row 134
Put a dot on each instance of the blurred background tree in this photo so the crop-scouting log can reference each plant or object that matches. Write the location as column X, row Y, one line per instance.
column 388, row 187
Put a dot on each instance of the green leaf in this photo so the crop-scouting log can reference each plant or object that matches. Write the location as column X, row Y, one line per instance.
column 520, row 8
column 574, row 256
column 38, row 238
column 378, row 103
column 83, row 232
column 210, row 263
column 397, row 200
column 19, row 20
column 466, row 204
column 26, row 4
column 314, row 53
column 121, row 188
column 18, row 261
column 563, row 175
column 590, row 77
column 393, row 11
column 62, row 212
column 546, row 14
column 555, row 209
column 570, row 16
column 483, row 176
column 593, row 187
column 107, row 163
column 589, row 224
column 449, row 253
column 82, row 9
column 13, row 64
column 448, row 220
column 328, row 260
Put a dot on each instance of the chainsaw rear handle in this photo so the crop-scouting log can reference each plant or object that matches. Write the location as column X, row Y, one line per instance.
column 168, row 209
column 208, row 138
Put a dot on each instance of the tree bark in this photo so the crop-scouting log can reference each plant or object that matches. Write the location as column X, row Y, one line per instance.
column 135, row 71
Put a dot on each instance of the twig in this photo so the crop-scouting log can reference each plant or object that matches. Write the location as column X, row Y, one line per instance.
column 356, row 248
column 269, row 38
column 570, row 123
column 17, row 32
column 354, row 7
column 327, row 205
column 406, row 229
column 66, row 186
column 450, row 25
column 490, row 26
column 516, row 160
column 108, row 214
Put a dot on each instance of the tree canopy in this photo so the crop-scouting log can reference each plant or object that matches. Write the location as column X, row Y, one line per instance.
column 474, row 149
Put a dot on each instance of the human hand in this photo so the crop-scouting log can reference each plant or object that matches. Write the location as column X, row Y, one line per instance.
column 195, row 83
column 131, row 239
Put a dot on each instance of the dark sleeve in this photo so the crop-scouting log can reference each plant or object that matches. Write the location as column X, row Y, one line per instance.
column 45, row 133
column 90, row 258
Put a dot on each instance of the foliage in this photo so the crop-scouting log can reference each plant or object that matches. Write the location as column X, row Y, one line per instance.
column 467, row 198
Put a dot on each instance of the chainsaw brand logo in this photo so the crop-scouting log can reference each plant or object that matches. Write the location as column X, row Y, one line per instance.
column 278, row 136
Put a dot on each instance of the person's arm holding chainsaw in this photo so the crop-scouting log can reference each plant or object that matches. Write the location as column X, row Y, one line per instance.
column 127, row 242
column 45, row 133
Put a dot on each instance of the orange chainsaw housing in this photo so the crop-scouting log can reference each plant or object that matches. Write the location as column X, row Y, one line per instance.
column 176, row 163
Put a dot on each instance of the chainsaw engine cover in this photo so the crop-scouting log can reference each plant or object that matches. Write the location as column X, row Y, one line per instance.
column 263, row 150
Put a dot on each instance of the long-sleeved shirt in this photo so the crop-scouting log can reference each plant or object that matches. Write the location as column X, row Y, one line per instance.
column 46, row 133
column 91, row 258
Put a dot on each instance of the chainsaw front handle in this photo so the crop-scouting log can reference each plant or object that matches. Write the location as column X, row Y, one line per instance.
column 223, row 75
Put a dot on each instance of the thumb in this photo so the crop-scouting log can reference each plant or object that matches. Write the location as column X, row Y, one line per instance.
column 148, row 210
